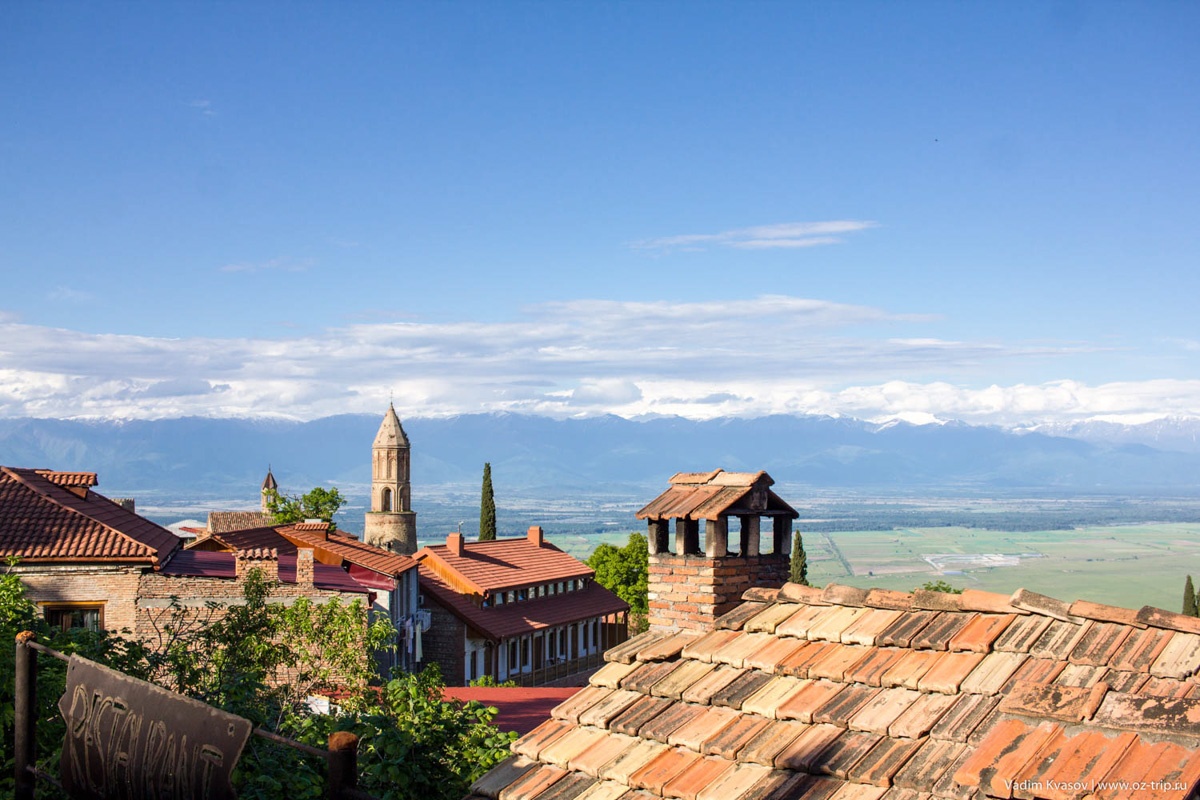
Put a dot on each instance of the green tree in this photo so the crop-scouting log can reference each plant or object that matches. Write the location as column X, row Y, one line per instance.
column 1189, row 598
column 625, row 571
column 320, row 503
column 799, row 563
column 487, row 507
column 939, row 586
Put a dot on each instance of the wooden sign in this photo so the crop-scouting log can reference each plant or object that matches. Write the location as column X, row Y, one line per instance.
column 130, row 739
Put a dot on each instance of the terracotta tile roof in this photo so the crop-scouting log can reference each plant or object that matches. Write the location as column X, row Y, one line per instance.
column 709, row 495
column 837, row 693
column 330, row 548
column 501, row 564
column 515, row 619
column 225, row 521
column 48, row 516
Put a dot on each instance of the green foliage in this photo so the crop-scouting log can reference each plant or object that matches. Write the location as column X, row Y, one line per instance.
column 799, row 562
column 1189, row 599
column 625, row 571
column 487, row 507
column 320, row 503
column 489, row 680
column 939, row 586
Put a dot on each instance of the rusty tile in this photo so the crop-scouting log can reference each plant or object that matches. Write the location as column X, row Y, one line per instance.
column 772, row 739
column 1022, row 634
column 902, row 631
column 867, row 627
column 773, row 653
column 1099, row 644
column 1176, row 715
column 800, row 593
column 650, row 673
column 1134, row 766
column 1166, row 687
column 961, row 719
column 978, row 634
column 1003, row 755
column 592, row 760
column 762, row 594
column 599, row 714
column 921, row 716
column 881, row 764
column 1041, row 604
column 1157, row 618
column 729, row 740
column 798, row 624
column 1172, row 770
column 1080, row 675
column 769, row 618
column 804, row 753
column 668, row 648
column 667, row 765
column 681, row 679
column 1059, row 640
column 633, row 718
column 735, row 619
column 736, row 650
column 991, row 675
column 927, row 766
column 907, row 671
column 776, row 691
column 570, row 787
column 612, row 673
column 804, row 703
column 735, row 783
column 859, row 791
column 839, row 594
column 1082, row 763
column 936, row 601
column 1126, row 681
column 949, row 671
column 702, row 691
column 884, row 708
column 842, row 754
column 745, row 685
column 703, row 648
column 889, row 599
column 1036, row 670
column 1103, row 613
column 693, row 733
column 782, row 785
column 1179, row 659
column 573, row 743
column 839, row 659
column 533, row 783
column 633, row 758
column 501, row 775
column 692, row 781
column 1140, row 650
column 581, row 701
column 938, row 633
column 798, row 663
column 627, row 650
column 661, row 727
column 533, row 742
column 829, row 627
column 870, row 668
column 845, row 704
column 1040, row 700
column 989, row 602
column 604, row 790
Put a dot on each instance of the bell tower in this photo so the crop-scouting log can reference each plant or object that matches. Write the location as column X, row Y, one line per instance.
column 391, row 523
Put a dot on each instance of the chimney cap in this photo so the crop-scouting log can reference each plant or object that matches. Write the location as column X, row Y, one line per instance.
column 454, row 543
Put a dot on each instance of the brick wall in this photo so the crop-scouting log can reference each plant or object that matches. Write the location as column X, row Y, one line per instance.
column 115, row 587
column 444, row 642
column 690, row 592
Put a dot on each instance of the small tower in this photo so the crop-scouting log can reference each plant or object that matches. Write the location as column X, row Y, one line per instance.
column 391, row 523
column 269, row 486
column 694, row 580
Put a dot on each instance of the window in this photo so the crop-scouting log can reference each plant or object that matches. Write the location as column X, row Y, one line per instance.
column 513, row 664
column 68, row 616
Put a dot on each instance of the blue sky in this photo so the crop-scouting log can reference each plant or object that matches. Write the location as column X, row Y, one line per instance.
column 926, row 210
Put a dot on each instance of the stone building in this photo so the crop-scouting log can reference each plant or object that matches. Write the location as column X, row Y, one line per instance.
column 391, row 523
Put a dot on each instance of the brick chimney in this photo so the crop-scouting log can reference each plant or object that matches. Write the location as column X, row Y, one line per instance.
column 454, row 543
column 304, row 567
column 692, row 582
column 263, row 558
column 536, row 537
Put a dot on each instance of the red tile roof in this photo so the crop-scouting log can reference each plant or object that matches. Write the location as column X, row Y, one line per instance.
column 501, row 564
column 844, row 694
column 225, row 521
column 330, row 547
column 709, row 495
column 515, row 619
column 44, row 521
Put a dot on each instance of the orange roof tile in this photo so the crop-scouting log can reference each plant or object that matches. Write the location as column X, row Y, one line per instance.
column 501, row 564
column 1023, row 697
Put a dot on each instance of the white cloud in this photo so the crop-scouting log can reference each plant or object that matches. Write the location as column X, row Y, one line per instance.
column 204, row 107
column 762, row 237
column 765, row 355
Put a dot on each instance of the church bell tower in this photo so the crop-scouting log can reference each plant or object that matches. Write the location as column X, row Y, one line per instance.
column 391, row 523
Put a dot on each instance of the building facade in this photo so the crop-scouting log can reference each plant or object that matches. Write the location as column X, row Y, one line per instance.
column 391, row 523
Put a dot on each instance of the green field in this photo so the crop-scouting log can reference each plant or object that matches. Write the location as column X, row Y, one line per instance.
column 1125, row 565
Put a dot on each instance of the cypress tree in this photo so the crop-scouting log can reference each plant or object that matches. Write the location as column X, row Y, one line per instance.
column 799, row 563
column 487, row 507
column 1189, row 599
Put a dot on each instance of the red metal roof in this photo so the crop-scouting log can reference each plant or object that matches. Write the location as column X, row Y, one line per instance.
column 329, row 546
column 209, row 564
column 502, row 564
column 43, row 521
column 521, row 708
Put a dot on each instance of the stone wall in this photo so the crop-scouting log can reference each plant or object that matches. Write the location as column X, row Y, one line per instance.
column 443, row 644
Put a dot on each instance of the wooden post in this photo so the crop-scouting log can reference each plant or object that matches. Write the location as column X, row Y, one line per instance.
column 343, row 764
column 25, row 718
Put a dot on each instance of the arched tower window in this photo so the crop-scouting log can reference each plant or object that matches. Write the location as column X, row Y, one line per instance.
column 385, row 500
